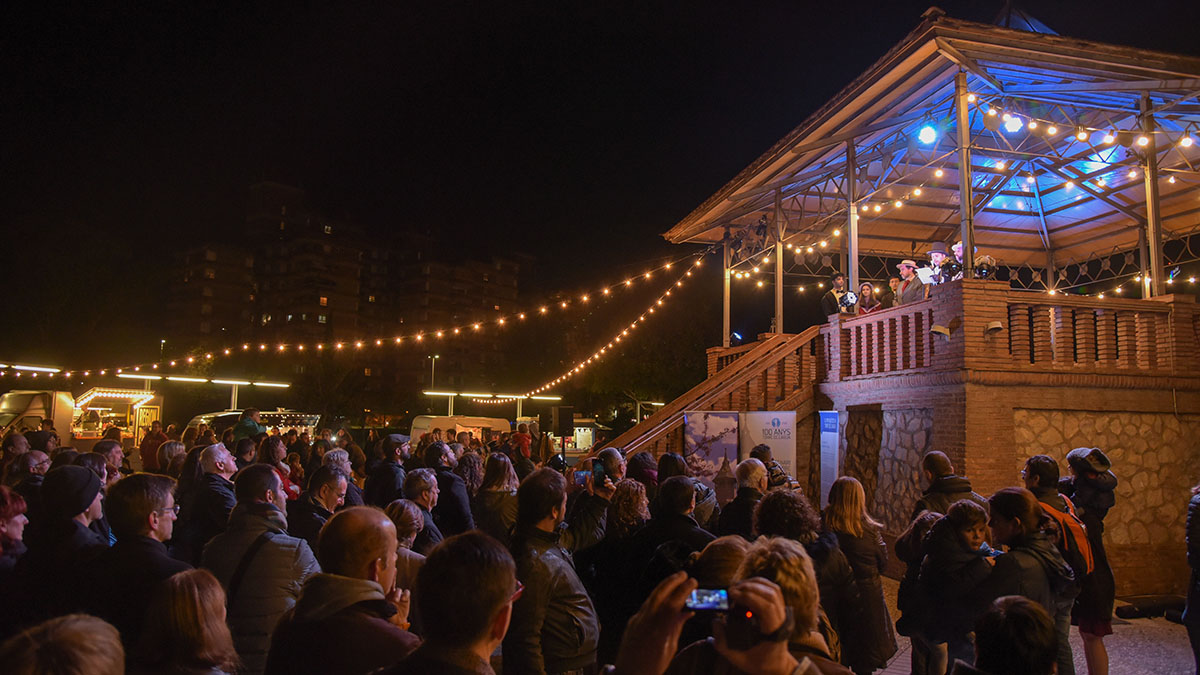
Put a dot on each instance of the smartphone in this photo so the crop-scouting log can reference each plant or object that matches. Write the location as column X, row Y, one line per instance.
column 581, row 478
column 598, row 474
column 708, row 600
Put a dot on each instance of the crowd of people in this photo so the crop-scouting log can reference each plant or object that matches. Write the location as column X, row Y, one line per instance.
column 465, row 555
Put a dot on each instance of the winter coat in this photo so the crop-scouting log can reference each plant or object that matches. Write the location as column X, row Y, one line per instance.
column 869, row 641
column 384, row 485
column 611, row 573
column 495, row 513
column 247, row 428
column 1032, row 568
column 149, row 451
column 270, row 584
column 354, row 495
column 912, row 600
column 776, row 477
column 943, row 492
column 554, row 624
column 707, row 512
column 949, row 577
column 408, row 564
column 49, row 573
column 124, row 578
column 453, row 510
column 738, row 515
column 1191, row 614
column 305, row 518
column 666, row 528
column 1093, row 497
column 429, row 536
column 339, row 625
column 204, row 515
column 835, row 581
column 438, row 660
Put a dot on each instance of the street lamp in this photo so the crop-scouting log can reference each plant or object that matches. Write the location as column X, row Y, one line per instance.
column 639, row 403
column 432, row 367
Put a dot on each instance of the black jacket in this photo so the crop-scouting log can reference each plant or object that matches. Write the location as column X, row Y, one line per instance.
column 949, row 576
column 871, row 641
column 354, row 495
column 30, row 487
column 495, row 512
column 738, row 515
column 1093, row 497
column 49, row 572
column 453, row 510
column 203, row 516
column 945, row 491
column 305, row 518
column 669, row 527
column 1191, row 615
column 124, row 578
column 554, row 624
column 835, row 580
column 1032, row 568
column 429, row 536
column 384, row 485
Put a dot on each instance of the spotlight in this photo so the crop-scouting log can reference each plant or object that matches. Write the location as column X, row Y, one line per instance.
column 1051, row 130
column 927, row 134
column 1186, row 141
column 1013, row 124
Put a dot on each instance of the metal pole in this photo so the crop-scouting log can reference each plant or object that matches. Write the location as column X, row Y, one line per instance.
column 519, row 402
column 1156, row 284
column 725, row 328
column 852, row 214
column 432, row 369
column 233, row 391
column 450, row 406
column 779, row 225
column 966, row 204
column 638, row 414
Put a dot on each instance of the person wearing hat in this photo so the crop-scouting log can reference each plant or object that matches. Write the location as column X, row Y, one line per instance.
column 831, row 302
column 63, row 541
column 911, row 288
column 1092, row 488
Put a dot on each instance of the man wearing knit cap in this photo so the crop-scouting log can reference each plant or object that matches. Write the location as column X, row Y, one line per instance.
column 63, row 542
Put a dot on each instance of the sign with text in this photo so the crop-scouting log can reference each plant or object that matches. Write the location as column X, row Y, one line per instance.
column 777, row 430
column 829, row 452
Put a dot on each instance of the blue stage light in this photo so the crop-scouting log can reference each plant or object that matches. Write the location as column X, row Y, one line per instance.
column 1013, row 124
column 927, row 134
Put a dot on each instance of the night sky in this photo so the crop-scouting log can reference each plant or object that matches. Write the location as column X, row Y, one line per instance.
column 574, row 132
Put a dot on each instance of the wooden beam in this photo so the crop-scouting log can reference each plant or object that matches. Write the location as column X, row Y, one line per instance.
column 1126, row 85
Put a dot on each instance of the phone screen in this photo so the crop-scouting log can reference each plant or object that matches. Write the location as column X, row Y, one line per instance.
column 581, row 478
column 712, row 599
column 597, row 474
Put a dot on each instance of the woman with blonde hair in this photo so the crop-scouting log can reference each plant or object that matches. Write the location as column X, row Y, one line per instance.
column 74, row 644
column 406, row 515
column 869, row 642
column 185, row 629
column 167, row 452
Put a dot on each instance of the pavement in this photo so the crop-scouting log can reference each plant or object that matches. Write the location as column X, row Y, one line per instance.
column 1136, row 647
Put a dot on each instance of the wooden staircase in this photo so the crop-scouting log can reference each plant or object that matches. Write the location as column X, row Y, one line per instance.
column 779, row 372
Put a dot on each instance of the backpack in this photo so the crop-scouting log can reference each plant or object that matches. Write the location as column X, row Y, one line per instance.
column 1071, row 538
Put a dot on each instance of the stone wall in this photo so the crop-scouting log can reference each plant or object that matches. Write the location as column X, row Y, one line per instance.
column 861, row 439
column 907, row 436
column 1154, row 457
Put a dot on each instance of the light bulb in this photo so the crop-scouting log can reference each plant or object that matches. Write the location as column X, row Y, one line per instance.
column 971, row 98
column 837, row 232
column 1109, row 138
column 917, row 192
column 1186, row 141
column 1081, row 135
column 939, row 173
column 1033, row 124
column 1143, row 140
column 898, row 203
column 878, row 208
column 1029, row 179
column 1051, row 130
column 991, row 112
column 1171, row 180
column 1070, row 184
column 1000, row 165
column 1133, row 173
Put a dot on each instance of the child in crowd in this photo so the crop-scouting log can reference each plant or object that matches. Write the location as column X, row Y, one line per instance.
column 957, row 560
column 927, row 658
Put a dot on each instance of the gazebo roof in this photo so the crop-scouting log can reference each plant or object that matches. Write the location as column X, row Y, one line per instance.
column 1068, row 196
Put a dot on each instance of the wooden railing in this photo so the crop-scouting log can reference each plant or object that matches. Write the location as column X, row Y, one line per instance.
column 881, row 343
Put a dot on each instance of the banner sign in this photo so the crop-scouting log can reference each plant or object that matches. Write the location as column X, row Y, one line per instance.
column 776, row 430
column 829, row 452
column 710, row 441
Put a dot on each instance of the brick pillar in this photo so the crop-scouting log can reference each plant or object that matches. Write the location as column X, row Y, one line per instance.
column 1126, row 336
column 1106, row 338
column 1063, row 327
column 1147, row 345
column 1018, row 332
column 1042, row 345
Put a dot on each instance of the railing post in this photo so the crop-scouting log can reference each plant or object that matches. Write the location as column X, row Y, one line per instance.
column 1063, row 326
column 1126, row 340
column 1106, row 337
column 1042, row 340
column 1018, row 333
column 1147, row 357
column 1085, row 337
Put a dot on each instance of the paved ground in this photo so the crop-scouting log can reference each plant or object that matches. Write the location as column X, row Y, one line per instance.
column 1136, row 647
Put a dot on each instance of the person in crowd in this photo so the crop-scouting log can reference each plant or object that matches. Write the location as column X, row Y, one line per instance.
column 190, row 473
column 945, row 487
column 142, row 512
column 249, row 425
column 465, row 598
column 62, row 543
column 738, row 515
column 911, row 288
column 452, row 513
column 1015, row 636
column 888, row 298
column 1032, row 566
column 789, row 514
column 872, row 641
column 66, row 645
column 64, row 457
column 39, row 439
column 926, row 657
column 295, row 469
column 352, row 603
column 358, row 464
column 1191, row 611
column 554, row 625
column 189, row 437
column 205, row 512
column 26, row 479
column 714, row 567
column 409, row 522
column 307, row 515
column 522, row 440
column 301, row 445
column 184, row 630
column 114, row 453
column 868, row 302
column 227, row 440
column 259, row 565
column 97, row 464
column 15, row 444
column 273, row 452
column 1041, row 476
column 707, row 512
column 777, row 478
column 784, row 563
column 316, row 456
column 831, row 302
column 12, row 531
column 149, row 447
column 541, row 445
column 609, row 569
column 494, row 506
column 244, row 452
column 421, row 488
column 673, row 521
column 340, row 459
column 170, row 455
column 957, row 561
column 642, row 467
column 385, row 484
column 1091, row 487
column 470, row 470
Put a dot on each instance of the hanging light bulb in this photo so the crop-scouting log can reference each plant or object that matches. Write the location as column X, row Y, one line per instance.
column 1133, row 173
column 917, row 192
column 1051, row 130
column 865, row 207
column 970, row 98
column 1185, row 141
column 1143, row 140
column 939, row 173
column 1082, row 134
column 1000, row 165
column 1033, row 125
column 1029, row 179
column 837, row 232
column 898, row 203
column 1109, row 138
column 1171, row 180
column 878, row 208
column 810, row 249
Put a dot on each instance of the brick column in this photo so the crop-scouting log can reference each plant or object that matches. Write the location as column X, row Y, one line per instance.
column 1018, row 332
column 1106, row 337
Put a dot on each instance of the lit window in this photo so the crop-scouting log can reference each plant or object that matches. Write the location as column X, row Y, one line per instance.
column 328, row 229
column 320, row 318
column 367, row 372
column 289, row 318
column 324, row 301
column 370, row 298
column 210, row 273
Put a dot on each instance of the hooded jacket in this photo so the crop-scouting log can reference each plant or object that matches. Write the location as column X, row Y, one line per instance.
column 270, row 584
column 1032, row 568
column 943, row 492
column 339, row 625
column 495, row 512
column 950, row 574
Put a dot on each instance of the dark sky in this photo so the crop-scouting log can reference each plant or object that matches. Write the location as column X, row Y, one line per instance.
column 577, row 132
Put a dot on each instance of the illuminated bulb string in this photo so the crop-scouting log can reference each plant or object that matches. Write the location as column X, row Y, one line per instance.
column 1015, row 121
